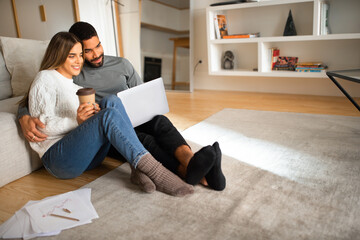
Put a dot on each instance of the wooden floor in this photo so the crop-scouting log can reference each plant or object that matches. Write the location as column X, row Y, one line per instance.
column 186, row 109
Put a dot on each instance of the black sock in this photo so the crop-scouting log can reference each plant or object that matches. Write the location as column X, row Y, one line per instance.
column 200, row 164
column 215, row 178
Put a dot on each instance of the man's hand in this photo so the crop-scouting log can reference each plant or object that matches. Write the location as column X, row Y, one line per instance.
column 29, row 128
column 85, row 111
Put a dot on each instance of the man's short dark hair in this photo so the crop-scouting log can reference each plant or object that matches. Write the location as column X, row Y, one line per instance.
column 83, row 30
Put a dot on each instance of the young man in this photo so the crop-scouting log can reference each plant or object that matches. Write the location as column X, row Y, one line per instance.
column 109, row 75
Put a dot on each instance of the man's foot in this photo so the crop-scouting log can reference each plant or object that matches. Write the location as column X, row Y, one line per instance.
column 204, row 182
column 144, row 182
column 215, row 178
column 165, row 180
column 200, row 164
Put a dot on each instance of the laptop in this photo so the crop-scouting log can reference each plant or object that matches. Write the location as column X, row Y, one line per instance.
column 145, row 101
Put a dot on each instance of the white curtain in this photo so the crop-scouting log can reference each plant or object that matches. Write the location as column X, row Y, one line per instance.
column 99, row 14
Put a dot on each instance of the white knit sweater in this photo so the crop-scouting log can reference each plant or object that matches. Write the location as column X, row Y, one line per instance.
column 53, row 99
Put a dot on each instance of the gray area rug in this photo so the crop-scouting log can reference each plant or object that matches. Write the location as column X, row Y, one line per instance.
column 289, row 176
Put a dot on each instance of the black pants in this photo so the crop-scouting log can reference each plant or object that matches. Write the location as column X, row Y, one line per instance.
column 161, row 139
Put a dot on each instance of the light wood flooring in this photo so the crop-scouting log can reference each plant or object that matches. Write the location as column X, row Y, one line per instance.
column 186, row 109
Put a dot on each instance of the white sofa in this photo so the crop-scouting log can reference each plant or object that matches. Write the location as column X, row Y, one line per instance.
column 19, row 62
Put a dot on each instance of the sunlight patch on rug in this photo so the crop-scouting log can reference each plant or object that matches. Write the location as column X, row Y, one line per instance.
column 291, row 145
column 259, row 153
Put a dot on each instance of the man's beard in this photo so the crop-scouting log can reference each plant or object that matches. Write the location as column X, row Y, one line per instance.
column 96, row 65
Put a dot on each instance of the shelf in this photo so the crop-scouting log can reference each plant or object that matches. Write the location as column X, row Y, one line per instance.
column 338, row 50
column 269, row 74
column 288, row 38
column 262, row 3
column 163, row 29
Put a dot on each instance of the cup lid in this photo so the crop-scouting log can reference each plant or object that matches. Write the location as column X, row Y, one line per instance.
column 85, row 91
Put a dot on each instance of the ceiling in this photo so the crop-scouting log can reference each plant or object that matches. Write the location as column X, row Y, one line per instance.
column 181, row 4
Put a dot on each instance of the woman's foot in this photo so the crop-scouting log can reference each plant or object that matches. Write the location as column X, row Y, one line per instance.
column 199, row 165
column 165, row 180
column 144, row 182
column 215, row 178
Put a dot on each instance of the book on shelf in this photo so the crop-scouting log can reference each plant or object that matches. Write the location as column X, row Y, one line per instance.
column 309, row 64
column 310, row 67
column 324, row 18
column 222, row 25
column 285, row 63
column 309, row 70
column 244, row 35
column 274, row 54
column 217, row 30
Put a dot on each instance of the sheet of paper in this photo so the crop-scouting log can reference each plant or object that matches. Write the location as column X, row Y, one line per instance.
column 28, row 232
column 6, row 225
column 40, row 213
column 33, row 219
column 85, row 195
column 18, row 226
column 13, row 230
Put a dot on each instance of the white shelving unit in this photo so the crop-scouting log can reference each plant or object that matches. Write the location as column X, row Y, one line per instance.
column 338, row 50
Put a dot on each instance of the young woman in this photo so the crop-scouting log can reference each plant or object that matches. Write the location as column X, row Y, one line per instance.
column 80, row 136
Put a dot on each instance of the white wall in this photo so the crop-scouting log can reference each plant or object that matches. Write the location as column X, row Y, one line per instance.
column 7, row 22
column 130, row 27
column 163, row 16
column 202, row 80
column 59, row 15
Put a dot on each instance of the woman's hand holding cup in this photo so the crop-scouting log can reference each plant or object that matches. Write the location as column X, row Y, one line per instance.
column 86, row 110
column 88, row 107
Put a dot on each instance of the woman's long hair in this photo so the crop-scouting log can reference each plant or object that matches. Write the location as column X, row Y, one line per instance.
column 55, row 55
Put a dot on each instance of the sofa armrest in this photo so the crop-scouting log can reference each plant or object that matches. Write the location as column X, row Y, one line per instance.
column 17, row 159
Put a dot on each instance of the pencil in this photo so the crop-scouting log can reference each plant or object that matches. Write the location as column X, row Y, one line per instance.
column 65, row 217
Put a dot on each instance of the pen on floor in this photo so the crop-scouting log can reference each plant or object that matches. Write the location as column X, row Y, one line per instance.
column 65, row 217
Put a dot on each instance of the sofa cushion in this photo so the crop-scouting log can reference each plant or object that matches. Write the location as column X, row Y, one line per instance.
column 10, row 105
column 22, row 58
column 17, row 159
column 5, row 86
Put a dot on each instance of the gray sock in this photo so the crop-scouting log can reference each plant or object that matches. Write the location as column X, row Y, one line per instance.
column 165, row 180
column 142, row 180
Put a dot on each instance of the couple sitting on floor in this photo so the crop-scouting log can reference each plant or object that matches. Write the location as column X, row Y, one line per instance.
column 71, row 138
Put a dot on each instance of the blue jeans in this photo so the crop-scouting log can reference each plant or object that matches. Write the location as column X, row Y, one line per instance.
column 86, row 146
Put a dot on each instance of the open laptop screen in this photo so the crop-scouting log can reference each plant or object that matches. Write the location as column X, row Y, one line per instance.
column 145, row 101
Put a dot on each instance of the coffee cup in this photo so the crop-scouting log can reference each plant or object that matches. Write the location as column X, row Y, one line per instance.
column 86, row 95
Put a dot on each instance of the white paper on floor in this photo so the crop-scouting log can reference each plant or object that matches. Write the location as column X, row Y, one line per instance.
column 50, row 216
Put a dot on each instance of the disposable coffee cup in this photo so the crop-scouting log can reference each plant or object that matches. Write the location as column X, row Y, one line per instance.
column 86, row 95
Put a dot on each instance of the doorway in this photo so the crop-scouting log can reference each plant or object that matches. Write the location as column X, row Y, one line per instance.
column 164, row 28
